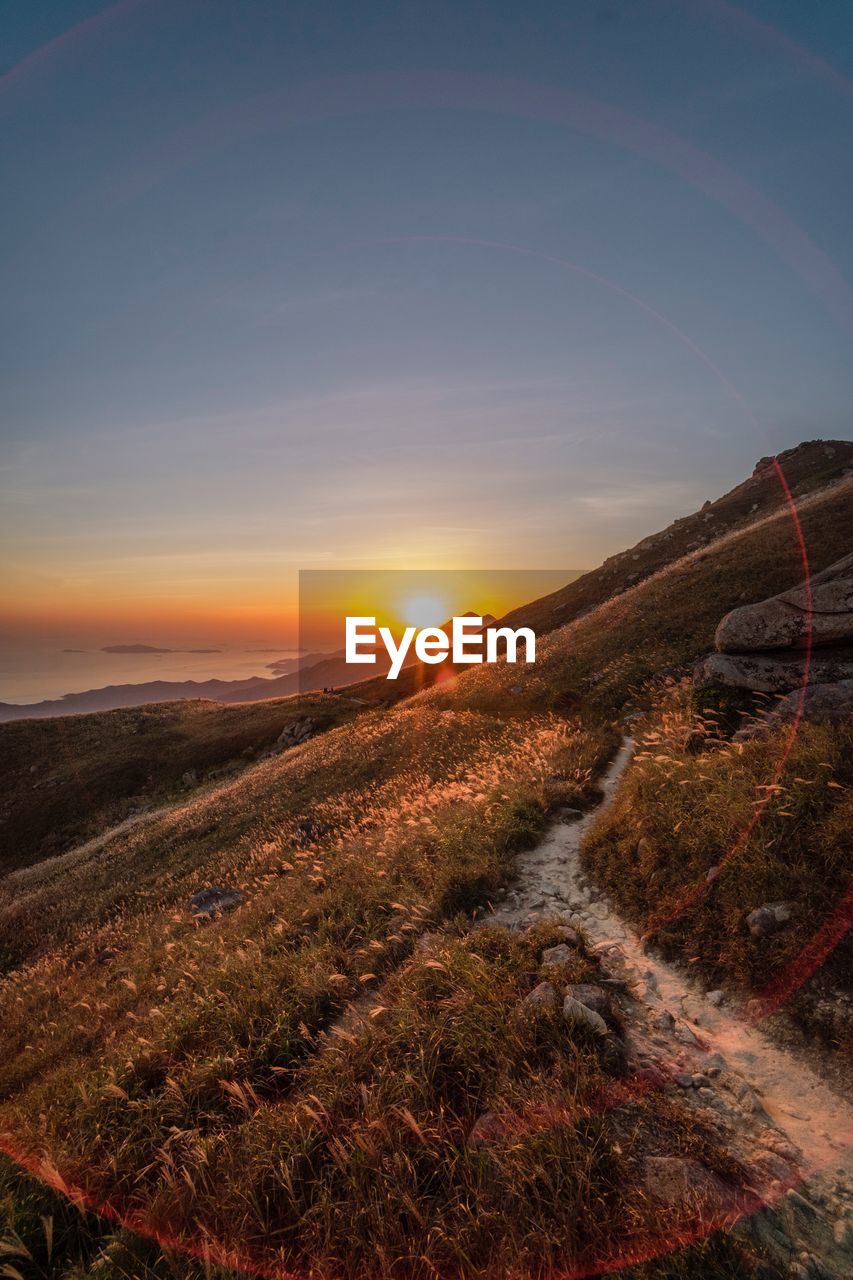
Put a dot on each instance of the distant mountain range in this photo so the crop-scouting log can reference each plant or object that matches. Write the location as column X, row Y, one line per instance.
column 302, row 674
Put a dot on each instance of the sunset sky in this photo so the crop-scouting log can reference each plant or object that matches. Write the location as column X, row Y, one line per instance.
column 400, row 285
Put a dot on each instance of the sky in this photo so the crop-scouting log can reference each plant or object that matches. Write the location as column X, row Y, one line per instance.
column 298, row 286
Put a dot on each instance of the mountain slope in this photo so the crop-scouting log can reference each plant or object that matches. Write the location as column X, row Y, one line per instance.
column 180, row 1070
column 811, row 466
column 70, row 778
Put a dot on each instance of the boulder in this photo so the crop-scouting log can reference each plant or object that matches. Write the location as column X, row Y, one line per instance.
column 294, row 733
column 817, row 704
column 776, row 672
column 824, row 608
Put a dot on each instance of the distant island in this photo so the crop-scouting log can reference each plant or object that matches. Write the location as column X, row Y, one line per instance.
column 146, row 648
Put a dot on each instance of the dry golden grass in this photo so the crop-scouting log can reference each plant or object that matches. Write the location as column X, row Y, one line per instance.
column 185, row 1078
column 70, row 778
column 774, row 815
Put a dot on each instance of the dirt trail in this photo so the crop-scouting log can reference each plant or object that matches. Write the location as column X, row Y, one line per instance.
column 768, row 1096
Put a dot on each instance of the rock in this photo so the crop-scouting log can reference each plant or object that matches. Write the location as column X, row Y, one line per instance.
column 824, row 609
column 700, row 1082
column 578, row 1015
column 681, row 1183
column 767, row 920
column 684, row 1081
column 842, row 1234
column 208, row 903
column 544, row 998
column 715, row 998
column 190, row 778
column 570, row 937
column 553, row 958
column 591, row 995
column 817, row 704
column 745, row 1096
column 487, row 1129
column 665, row 1021
column 778, row 672
column 799, row 1204
column 296, row 732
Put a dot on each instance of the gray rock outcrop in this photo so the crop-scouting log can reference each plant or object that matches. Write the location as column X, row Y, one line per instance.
column 818, row 703
column 783, row 621
column 768, row 672
column 296, row 732
column 762, row 647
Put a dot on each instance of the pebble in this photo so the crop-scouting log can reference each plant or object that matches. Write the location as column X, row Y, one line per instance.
column 842, row 1234
column 700, row 1081
column 684, row 1081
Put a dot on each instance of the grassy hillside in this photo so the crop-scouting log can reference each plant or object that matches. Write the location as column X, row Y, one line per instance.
column 705, row 830
column 183, row 1074
column 70, row 778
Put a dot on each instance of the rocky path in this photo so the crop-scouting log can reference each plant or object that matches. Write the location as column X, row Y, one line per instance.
column 776, row 1114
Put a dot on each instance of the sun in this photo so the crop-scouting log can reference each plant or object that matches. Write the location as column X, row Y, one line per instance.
column 423, row 610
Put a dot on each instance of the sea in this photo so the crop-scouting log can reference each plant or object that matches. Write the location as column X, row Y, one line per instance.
column 47, row 669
